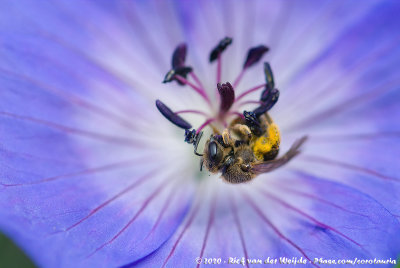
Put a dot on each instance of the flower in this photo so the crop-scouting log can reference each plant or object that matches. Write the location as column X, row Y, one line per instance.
column 92, row 175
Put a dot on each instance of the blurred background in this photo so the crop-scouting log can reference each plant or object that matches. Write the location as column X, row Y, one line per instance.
column 11, row 256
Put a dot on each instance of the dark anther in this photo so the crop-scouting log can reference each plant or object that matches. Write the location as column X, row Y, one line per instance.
column 269, row 97
column 252, row 122
column 179, row 56
column 269, row 77
column 178, row 65
column 254, row 55
column 222, row 45
column 171, row 116
column 265, row 94
column 260, row 110
column 169, row 76
column 192, row 138
column 227, row 96
column 182, row 71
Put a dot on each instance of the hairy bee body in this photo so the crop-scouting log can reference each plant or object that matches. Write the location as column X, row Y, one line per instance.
column 241, row 147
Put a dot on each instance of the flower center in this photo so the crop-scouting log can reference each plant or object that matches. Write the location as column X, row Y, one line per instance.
column 180, row 73
column 242, row 143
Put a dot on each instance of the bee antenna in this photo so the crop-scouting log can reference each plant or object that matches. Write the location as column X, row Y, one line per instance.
column 198, row 137
column 192, row 137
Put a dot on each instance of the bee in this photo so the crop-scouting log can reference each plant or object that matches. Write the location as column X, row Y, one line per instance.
column 247, row 148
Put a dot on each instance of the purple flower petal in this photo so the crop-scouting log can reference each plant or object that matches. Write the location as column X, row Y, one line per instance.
column 91, row 175
column 295, row 214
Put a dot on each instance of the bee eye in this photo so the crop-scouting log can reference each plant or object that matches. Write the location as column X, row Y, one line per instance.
column 215, row 154
column 212, row 150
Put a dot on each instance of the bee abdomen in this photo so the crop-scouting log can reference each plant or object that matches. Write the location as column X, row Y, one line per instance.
column 266, row 147
column 235, row 175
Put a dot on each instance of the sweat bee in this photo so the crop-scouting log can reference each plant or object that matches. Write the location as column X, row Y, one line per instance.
column 247, row 148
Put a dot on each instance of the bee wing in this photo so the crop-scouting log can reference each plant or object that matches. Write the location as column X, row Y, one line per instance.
column 268, row 166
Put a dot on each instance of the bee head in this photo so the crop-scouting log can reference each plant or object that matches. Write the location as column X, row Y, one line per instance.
column 213, row 155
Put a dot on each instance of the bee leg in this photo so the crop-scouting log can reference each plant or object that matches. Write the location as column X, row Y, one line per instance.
column 229, row 161
column 196, row 143
column 242, row 131
column 226, row 137
column 253, row 122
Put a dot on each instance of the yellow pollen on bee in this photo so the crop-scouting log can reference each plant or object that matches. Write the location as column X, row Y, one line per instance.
column 265, row 144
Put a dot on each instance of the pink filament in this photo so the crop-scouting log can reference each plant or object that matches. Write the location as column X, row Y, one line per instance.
column 236, row 113
column 197, row 80
column 219, row 68
column 249, row 102
column 237, row 80
column 197, row 89
column 192, row 112
column 207, row 122
column 250, row 91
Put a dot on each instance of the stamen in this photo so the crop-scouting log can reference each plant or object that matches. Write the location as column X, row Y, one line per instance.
column 216, row 54
column 250, row 91
column 181, row 71
column 178, row 65
column 227, row 96
column 260, row 110
column 269, row 77
column 237, row 113
column 249, row 102
column 171, row 116
column 190, row 136
column 222, row 45
column 237, row 80
column 197, row 80
column 219, row 68
column 270, row 95
column 206, row 123
column 179, row 56
column 268, row 98
column 192, row 112
column 254, row 55
column 197, row 89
